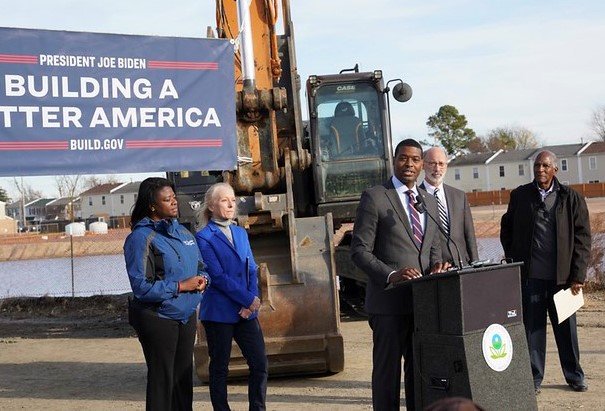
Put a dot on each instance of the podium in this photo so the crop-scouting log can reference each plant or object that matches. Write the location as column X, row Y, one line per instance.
column 469, row 340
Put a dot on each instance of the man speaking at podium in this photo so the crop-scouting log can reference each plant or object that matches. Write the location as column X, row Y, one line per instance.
column 393, row 243
column 547, row 227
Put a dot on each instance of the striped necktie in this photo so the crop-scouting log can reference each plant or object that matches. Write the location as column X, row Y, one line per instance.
column 415, row 218
column 442, row 213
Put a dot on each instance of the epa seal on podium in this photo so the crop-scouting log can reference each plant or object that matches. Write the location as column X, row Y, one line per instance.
column 497, row 347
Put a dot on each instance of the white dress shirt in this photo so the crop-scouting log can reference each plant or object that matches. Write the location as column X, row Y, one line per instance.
column 441, row 195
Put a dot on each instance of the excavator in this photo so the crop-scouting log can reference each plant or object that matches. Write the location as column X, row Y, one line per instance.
column 295, row 183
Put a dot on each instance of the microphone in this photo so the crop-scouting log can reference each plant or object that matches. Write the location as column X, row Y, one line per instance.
column 421, row 208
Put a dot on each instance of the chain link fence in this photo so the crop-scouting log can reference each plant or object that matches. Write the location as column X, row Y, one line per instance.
column 35, row 266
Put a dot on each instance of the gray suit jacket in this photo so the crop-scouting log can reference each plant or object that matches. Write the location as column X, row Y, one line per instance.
column 462, row 230
column 382, row 242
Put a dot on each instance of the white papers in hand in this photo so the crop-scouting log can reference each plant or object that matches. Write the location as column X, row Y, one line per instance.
column 566, row 303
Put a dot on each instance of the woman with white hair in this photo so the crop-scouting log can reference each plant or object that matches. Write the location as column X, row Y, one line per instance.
column 230, row 307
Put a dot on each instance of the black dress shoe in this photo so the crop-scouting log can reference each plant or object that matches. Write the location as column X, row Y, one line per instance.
column 579, row 386
column 538, row 390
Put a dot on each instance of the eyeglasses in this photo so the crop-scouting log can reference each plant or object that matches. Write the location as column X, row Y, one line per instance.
column 434, row 164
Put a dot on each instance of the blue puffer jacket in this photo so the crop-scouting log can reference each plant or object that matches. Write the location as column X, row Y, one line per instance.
column 158, row 255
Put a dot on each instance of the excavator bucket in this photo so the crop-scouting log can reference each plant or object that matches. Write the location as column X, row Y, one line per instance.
column 300, row 309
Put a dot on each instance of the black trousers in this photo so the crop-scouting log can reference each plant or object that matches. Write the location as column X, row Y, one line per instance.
column 249, row 337
column 537, row 302
column 392, row 340
column 168, row 348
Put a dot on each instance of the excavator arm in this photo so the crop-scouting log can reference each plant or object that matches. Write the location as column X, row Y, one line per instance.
column 261, row 99
column 300, row 313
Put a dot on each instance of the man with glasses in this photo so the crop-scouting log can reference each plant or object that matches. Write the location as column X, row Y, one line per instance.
column 547, row 227
column 454, row 211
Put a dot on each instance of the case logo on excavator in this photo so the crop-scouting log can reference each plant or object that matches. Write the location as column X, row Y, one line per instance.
column 350, row 88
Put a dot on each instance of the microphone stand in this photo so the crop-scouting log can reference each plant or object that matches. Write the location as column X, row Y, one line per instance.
column 421, row 208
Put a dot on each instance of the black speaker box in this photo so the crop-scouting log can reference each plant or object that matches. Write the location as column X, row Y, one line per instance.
column 453, row 366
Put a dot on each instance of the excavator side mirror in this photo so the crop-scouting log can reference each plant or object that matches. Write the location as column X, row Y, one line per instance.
column 402, row 92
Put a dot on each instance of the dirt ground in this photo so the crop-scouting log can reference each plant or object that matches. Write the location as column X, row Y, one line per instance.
column 487, row 218
column 74, row 354
column 65, row 354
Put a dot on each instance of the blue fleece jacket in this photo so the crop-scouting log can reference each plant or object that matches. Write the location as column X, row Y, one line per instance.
column 158, row 255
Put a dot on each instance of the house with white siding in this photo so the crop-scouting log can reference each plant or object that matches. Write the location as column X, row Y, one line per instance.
column 97, row 202
column 109, row 200
column 470, row 172
column 7, row 224
column 13, row 210
column 511, row 169
column 570, row 171
column 592, row 162
column 35, row 211
column 578, row 163
column 123, row 199
column 62, row 209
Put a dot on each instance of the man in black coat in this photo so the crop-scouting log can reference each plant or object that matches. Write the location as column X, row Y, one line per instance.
column 547, row 227
column 392, row 243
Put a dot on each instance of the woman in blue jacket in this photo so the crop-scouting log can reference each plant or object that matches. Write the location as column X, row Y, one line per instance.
column 230, row 307
column 167, row 277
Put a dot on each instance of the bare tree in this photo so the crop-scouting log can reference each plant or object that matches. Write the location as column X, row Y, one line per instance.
column 92, row 181
column 598, row 122
column 69, row 186
column 477, row 145
column 26, row 194
column 510, row 138
column 111, row 179
column 97, row 179
column 500, row 138
column 525, row 138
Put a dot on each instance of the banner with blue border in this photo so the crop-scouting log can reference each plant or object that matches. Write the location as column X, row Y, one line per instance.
column 87, row 103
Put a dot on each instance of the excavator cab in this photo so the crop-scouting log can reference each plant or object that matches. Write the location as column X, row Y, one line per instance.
column 349, row 139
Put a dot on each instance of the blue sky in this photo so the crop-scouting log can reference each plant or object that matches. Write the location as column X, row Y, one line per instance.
column 535, row 64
